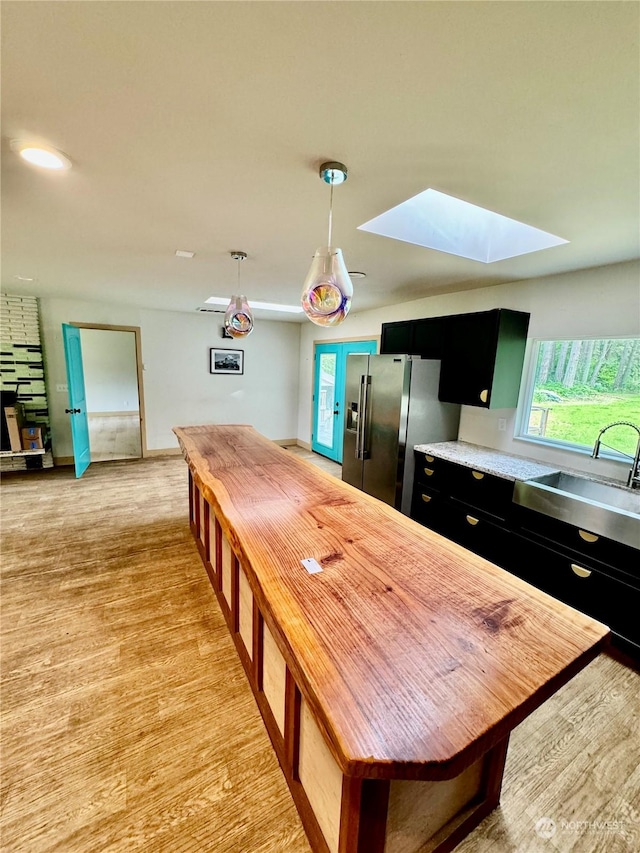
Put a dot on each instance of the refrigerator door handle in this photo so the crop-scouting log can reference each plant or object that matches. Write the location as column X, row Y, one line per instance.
column 359, row 421
column 366, row 382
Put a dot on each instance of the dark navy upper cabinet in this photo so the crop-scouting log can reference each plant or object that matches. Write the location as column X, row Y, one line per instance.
column 397, row 338
column 423, row 337
column 482, row 353
column 482, row 358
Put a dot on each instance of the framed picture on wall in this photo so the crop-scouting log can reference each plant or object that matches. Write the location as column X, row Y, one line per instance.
column 226, row 361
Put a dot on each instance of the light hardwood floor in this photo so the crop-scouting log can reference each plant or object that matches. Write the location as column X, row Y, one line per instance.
column 127, row 723
column 321, row 461
column 114, row 437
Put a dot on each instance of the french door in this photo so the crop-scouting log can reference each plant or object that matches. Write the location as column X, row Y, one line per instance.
column 330, row 362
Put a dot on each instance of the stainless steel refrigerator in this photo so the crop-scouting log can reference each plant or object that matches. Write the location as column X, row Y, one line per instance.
column 391, row 404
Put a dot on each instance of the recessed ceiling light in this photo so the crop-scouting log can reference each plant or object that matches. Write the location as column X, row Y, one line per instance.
column 356, row 274
column 41, row 155
column 440, row 221
column 182, row 253
column 265, row 306
column 23, row 278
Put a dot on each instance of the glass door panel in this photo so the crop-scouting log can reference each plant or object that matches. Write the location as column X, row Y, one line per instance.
column 326, row 429
column 329, row 394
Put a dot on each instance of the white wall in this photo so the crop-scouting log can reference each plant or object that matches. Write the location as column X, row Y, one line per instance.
column 178, row 388
column 602, row 302
column 110, row 375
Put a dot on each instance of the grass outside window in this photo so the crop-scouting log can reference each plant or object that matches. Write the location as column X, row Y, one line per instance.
column 580, row 386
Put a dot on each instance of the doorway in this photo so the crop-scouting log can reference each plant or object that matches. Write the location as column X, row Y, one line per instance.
column 111, row 361
column 330, row 363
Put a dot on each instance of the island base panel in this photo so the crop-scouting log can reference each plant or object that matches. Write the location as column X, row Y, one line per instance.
column 274, row 676
column 341, row 814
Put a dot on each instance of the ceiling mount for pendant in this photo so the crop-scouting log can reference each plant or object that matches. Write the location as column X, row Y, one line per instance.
column 333, row 173
column 239, row 256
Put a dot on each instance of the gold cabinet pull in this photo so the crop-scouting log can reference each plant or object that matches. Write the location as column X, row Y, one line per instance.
column 426, row 498
column 588, row 537
column 428, row 458
column 484, row 395
column 472, row 521
column 477, row 474
column 578, row 570
column 428, row 471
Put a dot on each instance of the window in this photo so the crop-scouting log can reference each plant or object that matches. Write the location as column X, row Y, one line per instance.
column 577, row 387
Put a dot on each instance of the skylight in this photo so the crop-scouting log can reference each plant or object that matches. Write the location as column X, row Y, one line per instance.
column 440, row 221
column 265, row 306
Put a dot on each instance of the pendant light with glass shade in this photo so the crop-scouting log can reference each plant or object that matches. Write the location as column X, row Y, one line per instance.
column 238, row 319
column 327, row 290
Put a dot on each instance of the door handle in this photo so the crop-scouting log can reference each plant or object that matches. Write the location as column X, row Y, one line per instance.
column 366, row 381
column 72, row 411
column 588, row 537
column 578, row 570
column 359, row 422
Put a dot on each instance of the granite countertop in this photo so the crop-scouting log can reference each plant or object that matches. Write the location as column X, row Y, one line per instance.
column 496, row 462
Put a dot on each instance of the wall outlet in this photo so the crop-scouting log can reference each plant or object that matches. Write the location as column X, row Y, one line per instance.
column 502, row 424
column 62, row 389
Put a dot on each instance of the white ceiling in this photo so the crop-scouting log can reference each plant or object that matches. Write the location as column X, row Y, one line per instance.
column 201, row 126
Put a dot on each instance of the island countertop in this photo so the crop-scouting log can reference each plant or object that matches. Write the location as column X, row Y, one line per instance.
column 415, row 655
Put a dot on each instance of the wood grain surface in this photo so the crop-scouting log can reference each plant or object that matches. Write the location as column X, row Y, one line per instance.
column 414, row 655
column 127, row 723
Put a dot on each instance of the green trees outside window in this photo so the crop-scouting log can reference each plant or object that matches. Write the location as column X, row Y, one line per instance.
column 582, row 385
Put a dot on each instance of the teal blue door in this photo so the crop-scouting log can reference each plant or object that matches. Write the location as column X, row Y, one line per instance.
column 330, row 363
column 77, row 410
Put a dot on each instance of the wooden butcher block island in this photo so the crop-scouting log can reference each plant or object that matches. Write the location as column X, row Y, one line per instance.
column 390, row 680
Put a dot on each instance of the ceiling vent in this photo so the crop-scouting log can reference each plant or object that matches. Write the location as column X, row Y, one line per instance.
column 211, row 310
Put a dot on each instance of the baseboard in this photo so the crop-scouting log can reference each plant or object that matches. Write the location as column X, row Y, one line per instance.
column 287, row 442
column 127, row 414
column 164, row 451
column 175, row 451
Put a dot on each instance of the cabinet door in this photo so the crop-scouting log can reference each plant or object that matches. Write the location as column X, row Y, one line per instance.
column 397, row 338
column 582, row 585
column 423, row 337
column 551, row 532
column 435, row 473
column 428, row 337
column 468, row 357
column 432, row 510
column 475, row 532
column 486, row 492
column 482, row 358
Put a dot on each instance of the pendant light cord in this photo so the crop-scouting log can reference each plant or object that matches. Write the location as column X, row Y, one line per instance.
column 330, row 214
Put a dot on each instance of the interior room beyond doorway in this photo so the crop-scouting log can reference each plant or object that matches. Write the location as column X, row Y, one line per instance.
column 111, row 383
